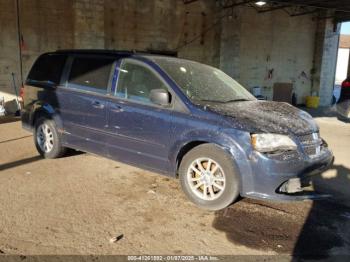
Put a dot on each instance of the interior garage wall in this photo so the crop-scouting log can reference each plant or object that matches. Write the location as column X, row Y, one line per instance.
column 45, row 26
column 246, row 45
column 327, row 44
column 163, row 25
column 267, row 48
column 158, row 25
column 8, row 45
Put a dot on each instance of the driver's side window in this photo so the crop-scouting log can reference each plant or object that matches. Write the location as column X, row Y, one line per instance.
column 135, row 82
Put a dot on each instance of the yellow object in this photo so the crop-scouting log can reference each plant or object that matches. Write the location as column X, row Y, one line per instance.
column 312, row 101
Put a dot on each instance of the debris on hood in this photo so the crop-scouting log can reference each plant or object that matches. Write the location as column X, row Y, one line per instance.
column 266, row 117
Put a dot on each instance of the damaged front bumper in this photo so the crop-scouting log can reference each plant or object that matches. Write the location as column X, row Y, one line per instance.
column 285, row 180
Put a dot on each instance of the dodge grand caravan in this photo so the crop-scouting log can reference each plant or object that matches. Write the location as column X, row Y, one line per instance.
column 176, row 117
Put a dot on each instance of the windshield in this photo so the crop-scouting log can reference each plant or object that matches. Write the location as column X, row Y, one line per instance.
column 202, row 83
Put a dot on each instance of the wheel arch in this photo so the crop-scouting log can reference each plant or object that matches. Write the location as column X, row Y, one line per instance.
column 182, row 148
column 229, row 143
column 47, row 111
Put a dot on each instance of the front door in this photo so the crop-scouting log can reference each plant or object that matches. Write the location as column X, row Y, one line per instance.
column 140, row 130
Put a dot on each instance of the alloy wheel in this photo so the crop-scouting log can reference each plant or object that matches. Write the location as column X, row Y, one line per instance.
column 206, row 178
column 44, row 137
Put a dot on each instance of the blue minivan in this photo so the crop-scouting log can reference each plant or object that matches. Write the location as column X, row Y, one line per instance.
column 176, row 117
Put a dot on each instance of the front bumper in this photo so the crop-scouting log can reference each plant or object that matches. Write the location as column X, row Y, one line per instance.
column 270, row 178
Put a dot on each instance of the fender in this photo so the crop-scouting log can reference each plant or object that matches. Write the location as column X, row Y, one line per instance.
column 47, row 110
column 227, row 141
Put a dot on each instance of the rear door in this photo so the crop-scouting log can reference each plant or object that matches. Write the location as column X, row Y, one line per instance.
column 83, row 102
column 140, row 131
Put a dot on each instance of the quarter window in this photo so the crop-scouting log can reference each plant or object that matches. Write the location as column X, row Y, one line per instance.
column 47, row 69
column 91, row 74
column 136, row 82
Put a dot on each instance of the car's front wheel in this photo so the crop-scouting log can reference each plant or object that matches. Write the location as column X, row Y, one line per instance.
column 47, row 140
column 209, row 177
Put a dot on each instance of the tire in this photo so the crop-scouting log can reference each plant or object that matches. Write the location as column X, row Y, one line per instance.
column 54, row 148
column 225, row 176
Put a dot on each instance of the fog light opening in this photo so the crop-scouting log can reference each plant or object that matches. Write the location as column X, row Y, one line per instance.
column 291, row 186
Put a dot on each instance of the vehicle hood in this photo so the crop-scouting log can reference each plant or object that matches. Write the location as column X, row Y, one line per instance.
column 266, row 117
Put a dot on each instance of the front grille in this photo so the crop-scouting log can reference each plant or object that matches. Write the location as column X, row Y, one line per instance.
column 312, row 151
column 284, row 156
column 309, row 139
column 311, row 144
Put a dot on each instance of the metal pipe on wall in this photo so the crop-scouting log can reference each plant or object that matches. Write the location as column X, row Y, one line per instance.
column 19, row 34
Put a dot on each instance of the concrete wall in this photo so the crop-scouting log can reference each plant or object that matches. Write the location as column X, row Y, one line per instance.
column 113, row 24
column 255, row 44
column 245, row 44
column 8, row 46
column 327, row 43
column 163, row 25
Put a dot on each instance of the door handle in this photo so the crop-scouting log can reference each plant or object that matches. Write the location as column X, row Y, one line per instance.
column 98, row 105
column 116, row 108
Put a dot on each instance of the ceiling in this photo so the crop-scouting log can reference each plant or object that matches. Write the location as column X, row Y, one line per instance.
column 339, row 9
column 336, row 5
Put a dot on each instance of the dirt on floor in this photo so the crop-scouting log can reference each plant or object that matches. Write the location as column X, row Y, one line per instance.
column 77, row 204
column 295, row 228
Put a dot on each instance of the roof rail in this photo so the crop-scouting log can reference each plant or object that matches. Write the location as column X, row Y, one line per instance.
column 96, row 51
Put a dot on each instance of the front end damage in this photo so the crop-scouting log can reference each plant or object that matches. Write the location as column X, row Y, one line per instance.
column 301, row 187
column 280, row 151
column 291, row 186
column 285, row 176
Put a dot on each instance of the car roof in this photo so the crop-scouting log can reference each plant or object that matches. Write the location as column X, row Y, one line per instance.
column 118, row 54
column 95, row 52
column 107, row 52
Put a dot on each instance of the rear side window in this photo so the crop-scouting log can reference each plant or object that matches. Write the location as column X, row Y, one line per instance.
column 47, row 69
column 91, row 74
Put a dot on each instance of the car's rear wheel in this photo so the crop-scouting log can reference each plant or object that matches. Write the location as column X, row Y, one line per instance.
column 209, row 177
column 47, row 140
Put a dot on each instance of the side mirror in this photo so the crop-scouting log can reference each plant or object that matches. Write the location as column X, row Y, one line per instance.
column 160, row 97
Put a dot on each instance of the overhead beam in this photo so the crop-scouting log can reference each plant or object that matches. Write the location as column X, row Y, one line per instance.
column 244, row 2
column 315, row 5
column 274, row 8
column 186, row 2
column 305, row 13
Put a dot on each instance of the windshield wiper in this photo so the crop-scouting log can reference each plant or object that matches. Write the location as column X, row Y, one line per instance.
column 236, row 100
column 211, row 101
column 224, row 102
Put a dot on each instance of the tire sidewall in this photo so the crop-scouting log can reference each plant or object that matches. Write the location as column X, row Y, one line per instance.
column 232, row 187
column 56, row 150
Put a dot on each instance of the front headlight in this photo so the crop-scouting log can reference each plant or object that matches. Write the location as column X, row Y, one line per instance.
column 271, row 142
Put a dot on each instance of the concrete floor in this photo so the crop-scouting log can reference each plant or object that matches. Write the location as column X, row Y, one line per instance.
column 76, row 204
